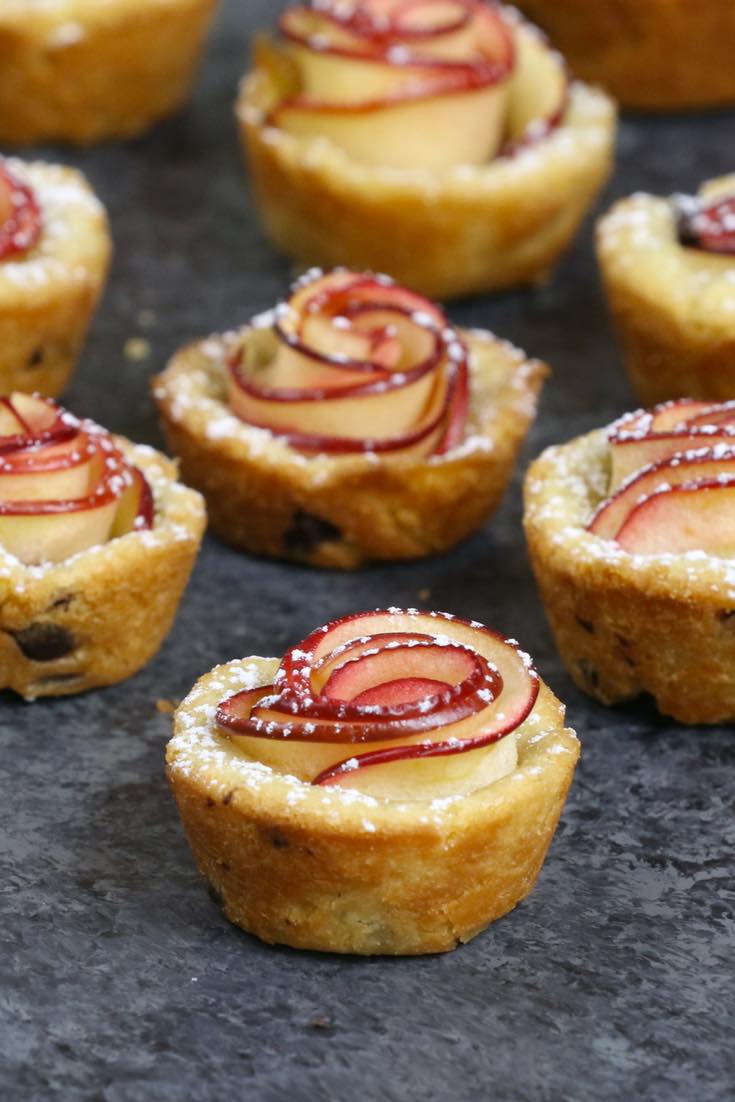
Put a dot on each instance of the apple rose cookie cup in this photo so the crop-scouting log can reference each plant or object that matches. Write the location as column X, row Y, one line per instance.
column 489, row 202
column 631, row 537
column 444, row 431
column 54, row 255
column 83, row 70
column 390, row 852
column 97, row 540
column 657, row 55
column 668, row 269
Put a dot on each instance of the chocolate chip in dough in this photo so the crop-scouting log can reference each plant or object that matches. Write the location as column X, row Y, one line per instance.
column 307, row 532
column 42, row 642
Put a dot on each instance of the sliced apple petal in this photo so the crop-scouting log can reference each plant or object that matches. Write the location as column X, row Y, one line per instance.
column 692, row 516
column 385, row 701
column 354, row 363
column 53, row 536
column 704, row 463
column 539, row 90
column 466, row 126
column 135, row 508
column 21, row 222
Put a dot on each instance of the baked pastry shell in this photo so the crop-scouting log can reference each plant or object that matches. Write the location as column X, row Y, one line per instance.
column 265, row 497
column 98, row 617
column 658, row 55
column 87, row 70
column 627, row 624
column 312, row 868
column 673, row 306
column 48, row 294
column 459, row 232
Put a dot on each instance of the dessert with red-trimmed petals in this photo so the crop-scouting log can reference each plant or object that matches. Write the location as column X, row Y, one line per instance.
column 353, row 422
column 668, row 267
column 97, row 539
column 391, row 785
column 54, row 254
column 658, row 55
column 631, row 532
column 86, row 70
column 438, row 140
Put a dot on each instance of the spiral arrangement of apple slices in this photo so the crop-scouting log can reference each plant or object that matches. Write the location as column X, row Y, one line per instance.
column 65, row 486
column 707, row 224
column 20, row 216
column 418, row 83
column 672, row 481
column 352, row 364
column 396, row 703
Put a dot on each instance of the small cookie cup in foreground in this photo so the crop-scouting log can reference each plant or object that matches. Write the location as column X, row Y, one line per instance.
column 97, row 541
column 668, row 268
column 631, row 535
column 351, row 423
column 658, row 55
column 85, row 70
column 54, row 255
column 392, row 786
column 443, row 144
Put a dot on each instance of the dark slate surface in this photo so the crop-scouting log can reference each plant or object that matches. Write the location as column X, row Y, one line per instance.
column 120, row 980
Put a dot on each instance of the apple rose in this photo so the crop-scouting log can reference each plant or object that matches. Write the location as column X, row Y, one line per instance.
column 415, row 83
column 20, row 215
column 65, row 486
column 708, row 223
column 354, row 363
column 672, row 483
column 394, row 703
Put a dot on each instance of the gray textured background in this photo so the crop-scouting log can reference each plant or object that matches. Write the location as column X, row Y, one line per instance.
column 120, row 980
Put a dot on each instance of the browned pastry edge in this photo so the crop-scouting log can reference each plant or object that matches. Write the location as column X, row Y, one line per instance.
column 673, row 306
column 465, row 231
column 657, row 55
column 627, row 624
column 48, row 295
column 266, row 498
column 356, row 877
column 100, row 616
column 130, row 64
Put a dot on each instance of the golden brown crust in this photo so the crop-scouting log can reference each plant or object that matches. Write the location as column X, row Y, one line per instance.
column 98, row 617
column 467, row 230
column 315, row 869
column 265, row 497
column 83, row 70
column 627, row 624
column 673, row 306
column 48, row 294
column 653, row 54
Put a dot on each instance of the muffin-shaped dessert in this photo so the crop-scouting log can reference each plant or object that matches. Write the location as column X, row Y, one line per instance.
column 668, row 267
column 658, row 55
column 391, row 786
column 97, row 540
column 441, row 143
column 353, row 422
column 54, row 254
column 84, row 70
column 631, row 533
